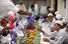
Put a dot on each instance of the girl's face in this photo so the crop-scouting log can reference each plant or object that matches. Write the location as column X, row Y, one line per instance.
column 56, row 26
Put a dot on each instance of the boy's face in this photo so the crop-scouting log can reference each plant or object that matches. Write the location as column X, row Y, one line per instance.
column 50, row 17
column 56, row 26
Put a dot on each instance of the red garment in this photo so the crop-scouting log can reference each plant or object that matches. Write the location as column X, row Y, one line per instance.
column 12, row 26
column 10, row 18
column 3, row 21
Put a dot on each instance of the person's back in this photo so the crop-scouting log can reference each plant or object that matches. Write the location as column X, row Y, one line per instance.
column 66, row 40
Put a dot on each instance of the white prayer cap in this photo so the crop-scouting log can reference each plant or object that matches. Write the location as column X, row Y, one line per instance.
column 50, row 14
column 59, row 22
column 56, row 12
column 59, row 16
column 51, row 9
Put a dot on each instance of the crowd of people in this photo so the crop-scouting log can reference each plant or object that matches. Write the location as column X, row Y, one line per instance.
column 54, row 28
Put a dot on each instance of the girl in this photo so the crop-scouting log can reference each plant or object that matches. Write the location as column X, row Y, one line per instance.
column 31, row 33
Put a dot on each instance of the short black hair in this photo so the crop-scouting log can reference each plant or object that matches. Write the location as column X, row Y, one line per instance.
column 21, row 2
column 60, row 26
column 30, row 26
column 67, row 28
column 32, row 6
column 48, row 7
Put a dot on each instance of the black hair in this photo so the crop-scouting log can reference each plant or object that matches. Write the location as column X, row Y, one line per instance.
column 21, row 2
column 32, row 7
column 37, row 18
column 64, row 24
column 48, row 7
column 67, row 28
column 30, row 26
column 58, row 19
column 4, row 33
column 60, row 26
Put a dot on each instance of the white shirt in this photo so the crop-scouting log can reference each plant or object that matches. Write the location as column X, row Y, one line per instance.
column 61, row 35
column 66, row 40
column 6, row 6
column 48, row 33
column 36, row 9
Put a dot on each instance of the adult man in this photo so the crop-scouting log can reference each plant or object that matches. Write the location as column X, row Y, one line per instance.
column 7, row 5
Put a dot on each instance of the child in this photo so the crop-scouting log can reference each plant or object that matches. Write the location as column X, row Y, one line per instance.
column 66, row 40
column 6, row 37
column 60, row 36
column 31, row 33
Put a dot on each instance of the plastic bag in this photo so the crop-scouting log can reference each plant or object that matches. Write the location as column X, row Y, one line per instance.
column 6, row 39
column 19, row 32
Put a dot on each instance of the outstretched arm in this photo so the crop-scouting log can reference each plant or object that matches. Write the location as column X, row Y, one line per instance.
column 24, row 12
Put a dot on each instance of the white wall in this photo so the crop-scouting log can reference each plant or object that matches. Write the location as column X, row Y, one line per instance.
column 45, row 3
column 67, row 9
column 60, row 5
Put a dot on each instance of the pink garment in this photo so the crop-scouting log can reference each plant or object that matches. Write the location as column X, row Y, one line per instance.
column 10, row 18
column 11, row 15
column 12, row 26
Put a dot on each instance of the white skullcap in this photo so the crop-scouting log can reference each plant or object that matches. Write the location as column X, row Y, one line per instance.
column 59, row 22
column 51, row 9
column 59, row 16
column 56, row 12
column 50, row 14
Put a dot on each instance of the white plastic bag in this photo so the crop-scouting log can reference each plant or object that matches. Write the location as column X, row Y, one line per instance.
column 19, row 32
column 6, row 39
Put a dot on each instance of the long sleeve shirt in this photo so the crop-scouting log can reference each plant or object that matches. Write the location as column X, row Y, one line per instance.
column 61, row 35
column 66, row 40
column 6, row 6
